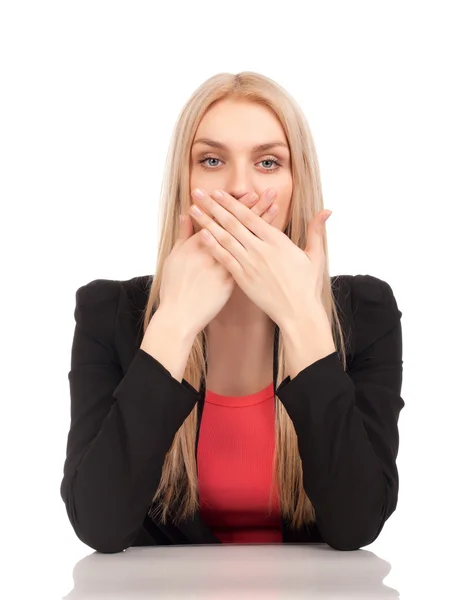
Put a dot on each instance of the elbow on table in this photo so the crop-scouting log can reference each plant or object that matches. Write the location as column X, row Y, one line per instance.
column 103, row 544
column 346, row 544
column 361, row 529
column 92, row 529
column 108, row 547
column 354, row 541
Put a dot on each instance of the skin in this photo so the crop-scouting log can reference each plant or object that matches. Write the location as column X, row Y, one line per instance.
column 244, row 364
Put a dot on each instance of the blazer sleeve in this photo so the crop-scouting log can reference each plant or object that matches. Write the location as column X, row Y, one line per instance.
column 121, row 427
column 347, row 422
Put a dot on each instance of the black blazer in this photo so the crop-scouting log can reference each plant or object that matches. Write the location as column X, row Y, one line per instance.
column 126, row 409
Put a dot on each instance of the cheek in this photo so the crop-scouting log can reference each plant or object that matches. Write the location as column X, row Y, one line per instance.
column 285, row 197
column 285, row 207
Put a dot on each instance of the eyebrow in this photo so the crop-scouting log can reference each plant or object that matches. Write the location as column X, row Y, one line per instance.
column 257, row 148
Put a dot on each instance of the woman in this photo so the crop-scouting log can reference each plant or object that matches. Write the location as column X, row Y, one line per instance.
column 249, row 319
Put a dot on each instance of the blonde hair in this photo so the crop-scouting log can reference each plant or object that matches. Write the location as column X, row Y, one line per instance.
column 178, row 483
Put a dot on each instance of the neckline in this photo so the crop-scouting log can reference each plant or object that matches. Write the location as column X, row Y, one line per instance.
column 240, row 401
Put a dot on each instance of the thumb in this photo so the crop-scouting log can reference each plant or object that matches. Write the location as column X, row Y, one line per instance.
column 185, row 228
column 315, row 231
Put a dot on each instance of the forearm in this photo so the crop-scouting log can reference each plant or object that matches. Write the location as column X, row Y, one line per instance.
column 351, row 489
column 348, row 456
column 169, row 342
column 123, row 420
column 112, row 470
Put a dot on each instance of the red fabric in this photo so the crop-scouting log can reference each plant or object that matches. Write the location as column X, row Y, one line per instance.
column 235, row 462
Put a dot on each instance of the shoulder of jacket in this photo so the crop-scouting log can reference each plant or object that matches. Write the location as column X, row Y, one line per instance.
column 97, row 291
column 96, row 307
column 104, row 290
column 374, row 309
column 371, row 290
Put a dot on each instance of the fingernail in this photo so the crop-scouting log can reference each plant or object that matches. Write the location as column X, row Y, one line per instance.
column 197, row 193
column 195, row 210
column 217, row 195
column 270, row 194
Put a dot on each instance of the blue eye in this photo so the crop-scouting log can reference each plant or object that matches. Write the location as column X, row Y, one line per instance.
column 207, row 157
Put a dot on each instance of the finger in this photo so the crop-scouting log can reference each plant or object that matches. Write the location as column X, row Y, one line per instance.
column 269, row 215
column 247, row 227
column 248, row 200
column 223, row 256
column 315, row 246
column 259, row 205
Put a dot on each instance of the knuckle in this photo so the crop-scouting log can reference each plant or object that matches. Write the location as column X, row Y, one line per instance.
column 249, row 219
column 229, row 220
column 228, row 259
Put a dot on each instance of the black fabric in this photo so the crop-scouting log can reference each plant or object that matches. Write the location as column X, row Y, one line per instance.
column 126, row 409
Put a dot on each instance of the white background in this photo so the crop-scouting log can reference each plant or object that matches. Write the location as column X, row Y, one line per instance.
column 90, row 91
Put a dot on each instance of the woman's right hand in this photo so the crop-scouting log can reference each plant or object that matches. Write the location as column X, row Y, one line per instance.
column 195, row 286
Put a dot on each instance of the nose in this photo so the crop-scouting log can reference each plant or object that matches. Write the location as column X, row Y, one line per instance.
column 239, row 192
column 239, row 180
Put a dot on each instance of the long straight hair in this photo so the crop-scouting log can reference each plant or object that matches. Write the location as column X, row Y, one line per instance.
column 178, row 482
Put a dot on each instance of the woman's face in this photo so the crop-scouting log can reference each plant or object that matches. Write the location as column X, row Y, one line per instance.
column 237, row 169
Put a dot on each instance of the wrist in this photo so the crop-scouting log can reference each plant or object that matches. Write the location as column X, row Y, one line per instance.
column 315, row 318
column 169, row 321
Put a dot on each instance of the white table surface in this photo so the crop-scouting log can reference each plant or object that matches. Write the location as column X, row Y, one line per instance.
column 72, row 571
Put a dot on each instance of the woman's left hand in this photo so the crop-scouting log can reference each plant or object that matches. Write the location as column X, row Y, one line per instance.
column 272, row 271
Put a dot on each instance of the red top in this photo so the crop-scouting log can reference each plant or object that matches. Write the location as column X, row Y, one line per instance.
column 235, row 461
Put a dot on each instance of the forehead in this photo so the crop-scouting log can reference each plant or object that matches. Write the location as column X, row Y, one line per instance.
column 240, row 120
